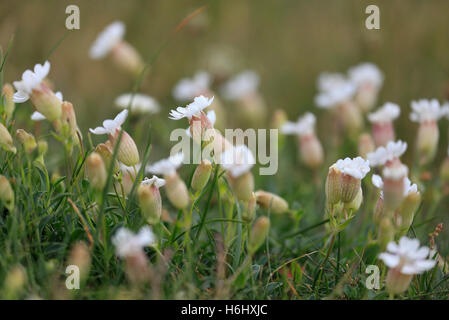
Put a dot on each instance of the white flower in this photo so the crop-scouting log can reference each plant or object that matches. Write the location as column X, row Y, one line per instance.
column 377, row 181
column 426, row 110
column 334, row 90
column 166, row 167
column 396, row 172
column 138, row 102
column 408, row 186
column 192, row 109
column 407, row 257
column 212, row 118
column 158, row 182
column 30, row 80
column 187, row 89
column 111, row 126
column 304, row 126
column 107, row 39
column 241, row 85
column 128, row 244
column 37, row 116
column 237, row 160
column 387, row 113
column 383, row 154
column 357, row 167
column 366, row 73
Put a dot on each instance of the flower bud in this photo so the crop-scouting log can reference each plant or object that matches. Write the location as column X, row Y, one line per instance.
column 69, row 120
column 27, row 140
column 46, row 102
column 259, row 233
column 6, row 140
column 385, row 233
column 127, row 58
column 6, row 193
column 80, row 257
column 350, row 116
column 150, row 202
column 397, row 282
column 428, row 135
column 383, row 132
column 127, row 152
column 250, row 209
column 365, row 145
column 176, row 191
column 9, row 105
column 272, row 202
column 201, row 175
column 407, row 211
column 355, row 204
column 104, row 150
column 366, row 97
column 96, row 171
column 333, row 186
column 242, row 186
column 311, row 150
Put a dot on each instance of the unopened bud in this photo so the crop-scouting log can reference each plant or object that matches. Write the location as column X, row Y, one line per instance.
column 365, row 145
column 272, row 202
column 428, row 135
column 104, row 150
column 6, row 193
column 250, row 209
column 46, row 102
column 311, row 150
column 366, row 97
column 397, row 282
column 6, row 139
column 42, row 147
column 96, row 171
column 333, row 186
column 27, row 140
column 242, row 186
column 69, row 121
column 176, row 191
column 150, row 202
column 9, row 105
column 407, row 211
column 127, row 152
column 201, row 175
column 259, row 233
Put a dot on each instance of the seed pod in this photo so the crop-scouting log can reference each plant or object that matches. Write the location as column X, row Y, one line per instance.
column 27, row 140
column 242, row 186
column 6, row 140
column 259, row 233
column 96, row 171
column 201, row 175
column 176, row 191
column 272, row 202
column 6, row 193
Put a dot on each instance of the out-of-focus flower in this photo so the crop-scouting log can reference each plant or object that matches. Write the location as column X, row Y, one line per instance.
column 127, row 243
column 175, row 187
column 250, row 209
column 405, row 260
column 238, row 161
column 189, row 88
column 32, row 86
column 6, row 141
column 394, row 178
column 382, row 123
column 127, row 152
column 6, row 193
column 110, row 41
column 96, row 171
column 80, row 257
column 27, row 140
column 368, row 79
column 408, row 186
column 272, row 202
column 389, row 153
column 352, row 172
column 365, row 145
column 9, row 105
column 138, row 103
column 259, row 233
column 427, row 113
column 241, row 85
column 150, row 199
column 311, row 150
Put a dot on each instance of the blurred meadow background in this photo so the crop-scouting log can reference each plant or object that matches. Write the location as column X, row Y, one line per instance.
column 287, row 42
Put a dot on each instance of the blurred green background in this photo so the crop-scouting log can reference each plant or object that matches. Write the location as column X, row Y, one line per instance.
column 288, row 42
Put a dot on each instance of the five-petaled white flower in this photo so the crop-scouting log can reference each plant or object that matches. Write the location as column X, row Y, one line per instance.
column 408, row 186
column 111, row 126
column 237, row 160
column 107, row 39
column 387, row 113
column 334, row 89
column 366, row 74
column 192, row 109
column 427, row 110
column 127, row 243
column 37, row 116
column 30, row 80
column 156, row 181
column 304, row 126
column 357, row 167
column 241, row 85
column 407, row 257
column 189, row 88
column 140, row 103
column 383, row 154
column 166, row 167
